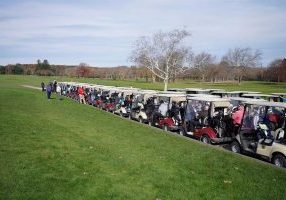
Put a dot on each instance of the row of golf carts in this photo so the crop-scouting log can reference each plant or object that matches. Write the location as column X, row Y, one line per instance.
column 206, row 115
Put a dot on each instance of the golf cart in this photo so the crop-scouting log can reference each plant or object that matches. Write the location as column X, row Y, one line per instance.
column 281, row 97
column 138, row 110
column 226, row 94
column 167, row 111
column 124, row 103
column 268, row 97
column 262, row 132
column 236, row 101
column 206, row 119
column 111, row 100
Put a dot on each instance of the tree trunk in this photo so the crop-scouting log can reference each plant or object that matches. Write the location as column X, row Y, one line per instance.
column 153, row 78
column 165, row 84
column 239, row 79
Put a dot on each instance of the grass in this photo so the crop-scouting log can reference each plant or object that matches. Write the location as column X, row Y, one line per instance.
column 63, row 150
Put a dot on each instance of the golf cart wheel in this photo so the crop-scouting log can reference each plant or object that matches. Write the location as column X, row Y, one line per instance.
column 235, row 147
column 165, row 128
column 205, row 139
column 140, row 120
column 279, row 160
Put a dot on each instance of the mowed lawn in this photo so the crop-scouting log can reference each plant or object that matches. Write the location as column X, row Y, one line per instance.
column 63, row 150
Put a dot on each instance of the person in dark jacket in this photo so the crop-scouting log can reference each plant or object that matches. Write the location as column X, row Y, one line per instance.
column 54, row 86
column 49, row 90
column 43, row 86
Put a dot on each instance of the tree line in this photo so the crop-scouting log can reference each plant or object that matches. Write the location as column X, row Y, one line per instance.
column 219, row 72
column 164, row 57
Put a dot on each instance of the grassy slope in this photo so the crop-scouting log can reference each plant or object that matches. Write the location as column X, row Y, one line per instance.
column 63, row 150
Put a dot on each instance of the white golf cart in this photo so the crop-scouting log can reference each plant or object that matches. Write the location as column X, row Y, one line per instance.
column 138, row 111
column 124, row 105
column 257, row 136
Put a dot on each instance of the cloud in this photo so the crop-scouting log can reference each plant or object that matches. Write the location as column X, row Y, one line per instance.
column 94, row 30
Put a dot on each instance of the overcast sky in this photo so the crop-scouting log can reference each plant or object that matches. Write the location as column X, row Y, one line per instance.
column 102, row 32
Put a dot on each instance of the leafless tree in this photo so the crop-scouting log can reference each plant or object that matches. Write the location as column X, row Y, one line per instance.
column 241, row 59
column 276, row 70
column 82, row 70
column 202, row 61
column 163, row 54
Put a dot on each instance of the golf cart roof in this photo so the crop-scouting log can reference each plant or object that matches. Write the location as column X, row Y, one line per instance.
column 245, row 92
column 210, row 98
column 128, row 88
column 223, row 92
column 147, row 92
column 170, row 92
column 197, row 89
column 243, row 99
column 279, row 94
column 203, row 95
column 173, row 97
column 218, row 102
column 267, row 103
column 176, row 89
column 258, row 95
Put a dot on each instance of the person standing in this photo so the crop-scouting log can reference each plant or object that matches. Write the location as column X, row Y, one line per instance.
column 43, row 86
column 49, row 90
column 55, row 86
column 81, row 95
column 59, row 92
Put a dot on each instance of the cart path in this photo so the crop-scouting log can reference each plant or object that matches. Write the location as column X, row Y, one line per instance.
column 32, row 87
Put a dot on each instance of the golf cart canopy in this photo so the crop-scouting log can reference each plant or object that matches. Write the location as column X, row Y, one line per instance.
column 267, row 103
column 171, row 97
column 279, row 94
column 217, row 102
column 257, row 96
column 176, row 90
column 203, row 95
column 170, row 92
column 147, row 91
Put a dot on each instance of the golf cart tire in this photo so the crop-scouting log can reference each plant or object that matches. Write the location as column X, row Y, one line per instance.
column 235, row 147
column 279, row 160
column 205, row 139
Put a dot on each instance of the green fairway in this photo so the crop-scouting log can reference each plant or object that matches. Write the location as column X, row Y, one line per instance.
column 63, row 150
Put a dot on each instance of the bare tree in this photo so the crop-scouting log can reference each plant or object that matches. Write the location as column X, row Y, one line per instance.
column 82, row 70
column 163, row 54
column 276, row 70
column 202, row 62
column 241, row 59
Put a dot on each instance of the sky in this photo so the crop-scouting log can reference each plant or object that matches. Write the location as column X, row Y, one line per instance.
column 103, row 32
